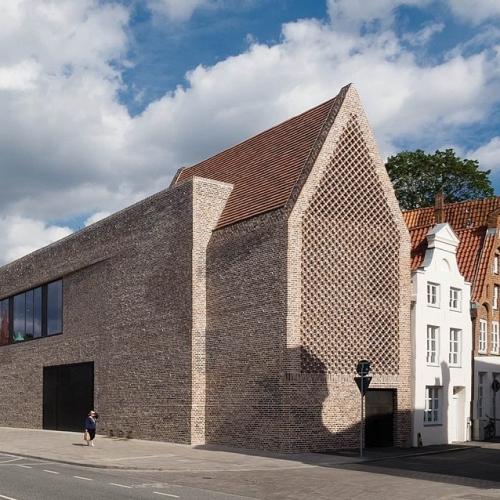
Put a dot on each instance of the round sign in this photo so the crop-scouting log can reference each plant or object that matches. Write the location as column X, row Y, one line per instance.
column 363, row 367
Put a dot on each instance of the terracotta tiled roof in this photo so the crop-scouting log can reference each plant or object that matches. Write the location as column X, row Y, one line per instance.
column 469, row 220
column 482, row 266
column 265, row 168
column 463, row 215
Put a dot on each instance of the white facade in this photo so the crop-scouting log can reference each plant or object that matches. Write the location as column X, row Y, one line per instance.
column 486, row 400
column 442, row 344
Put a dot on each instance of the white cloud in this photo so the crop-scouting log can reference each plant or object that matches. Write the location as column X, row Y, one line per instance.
column 20, row 76
column 23, row 235
column 72, row 148
column 177, row 10
column 96, row 217
column 423, row 36
column 488, row 154
column 475, row 11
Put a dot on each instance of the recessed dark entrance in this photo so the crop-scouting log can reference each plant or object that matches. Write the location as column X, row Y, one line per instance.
column 379, row 427
column 68, row 396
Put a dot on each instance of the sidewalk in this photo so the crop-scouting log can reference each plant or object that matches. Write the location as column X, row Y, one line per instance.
column 134, row 454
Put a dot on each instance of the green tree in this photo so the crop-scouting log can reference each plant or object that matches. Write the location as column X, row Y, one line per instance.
column 418, row 176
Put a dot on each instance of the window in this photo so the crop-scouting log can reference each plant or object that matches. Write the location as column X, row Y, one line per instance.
column 432, row 412
column 495, row 337
column 482, row 335
column 4, row 322
column 495, row 297
column 432, row 294
column 455, row 299
column 35, row 313
column 480, row 394
column 54, row 308
column 495, row 264
column 27, row 315
column 455, row 341
column 432, row 344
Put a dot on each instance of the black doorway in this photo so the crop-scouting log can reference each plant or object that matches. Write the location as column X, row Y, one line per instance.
column 68, row 396
column 379, row 426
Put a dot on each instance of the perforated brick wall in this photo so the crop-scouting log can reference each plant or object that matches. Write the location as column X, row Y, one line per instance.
column 349, row 267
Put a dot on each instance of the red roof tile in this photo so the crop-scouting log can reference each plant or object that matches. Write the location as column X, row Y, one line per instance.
column 265, row 168
column 469, row 219
column 463, row 215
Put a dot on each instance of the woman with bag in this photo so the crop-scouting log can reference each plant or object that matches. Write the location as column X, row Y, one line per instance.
column 90, row 427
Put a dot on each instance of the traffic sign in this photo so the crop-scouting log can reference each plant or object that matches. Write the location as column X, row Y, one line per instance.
column 363, row 367
column 363, row 383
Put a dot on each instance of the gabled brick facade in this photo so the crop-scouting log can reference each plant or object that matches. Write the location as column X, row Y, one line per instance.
column 477, row 225
column 232, row 307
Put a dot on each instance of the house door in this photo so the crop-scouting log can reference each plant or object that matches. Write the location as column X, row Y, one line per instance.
column 68, row 396
column 379, row 425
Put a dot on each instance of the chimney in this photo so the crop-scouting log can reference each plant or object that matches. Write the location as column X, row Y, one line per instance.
column 439, row 208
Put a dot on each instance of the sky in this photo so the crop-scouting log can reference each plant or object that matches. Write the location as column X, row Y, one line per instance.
column 103, row 100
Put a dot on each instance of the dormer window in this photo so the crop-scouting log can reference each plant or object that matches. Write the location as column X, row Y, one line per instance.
column 432, row 294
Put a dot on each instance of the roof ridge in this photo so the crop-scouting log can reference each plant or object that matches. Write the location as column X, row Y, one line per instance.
column 321, row 136
column 309, row 111
column 454, row 203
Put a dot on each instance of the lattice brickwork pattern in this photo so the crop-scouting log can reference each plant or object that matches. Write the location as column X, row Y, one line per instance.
column 349, row 267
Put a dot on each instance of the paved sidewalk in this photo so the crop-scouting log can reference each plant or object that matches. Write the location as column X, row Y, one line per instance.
column 134, row 454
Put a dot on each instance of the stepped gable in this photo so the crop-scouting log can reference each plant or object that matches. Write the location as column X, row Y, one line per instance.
column 264, row 169
column 469, row 220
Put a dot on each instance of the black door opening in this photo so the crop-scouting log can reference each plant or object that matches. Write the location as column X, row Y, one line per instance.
column 379, row 426
column 68, row 396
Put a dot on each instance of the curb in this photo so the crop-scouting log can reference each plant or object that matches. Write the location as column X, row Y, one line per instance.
column 160, row 469
column 419, row 454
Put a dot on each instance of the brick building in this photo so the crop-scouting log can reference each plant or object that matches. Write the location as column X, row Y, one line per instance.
column 477, row 225
column 231, row 307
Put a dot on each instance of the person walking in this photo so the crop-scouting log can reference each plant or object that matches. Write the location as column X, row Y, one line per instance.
column 91, row 426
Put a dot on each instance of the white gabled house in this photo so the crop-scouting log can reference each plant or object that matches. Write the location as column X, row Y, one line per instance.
column 442, row 343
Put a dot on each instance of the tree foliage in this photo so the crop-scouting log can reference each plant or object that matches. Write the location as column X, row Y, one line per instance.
column 417, row 177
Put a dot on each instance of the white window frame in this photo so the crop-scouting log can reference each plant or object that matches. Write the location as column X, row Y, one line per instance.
column 432, row 345
column 483, row 335
column 480, row 394
column 455, row 353
column 433, row 402
column 433, row 292
column 495, row 337
column 455, row 299
column 496, row 289
column 495, row 264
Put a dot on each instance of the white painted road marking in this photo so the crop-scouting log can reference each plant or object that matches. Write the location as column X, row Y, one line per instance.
column 83, row 478
column 120, row 485
column 23, row 466
column 50, row 471
column 12, row 460
column 7, row 498
column 165, row 494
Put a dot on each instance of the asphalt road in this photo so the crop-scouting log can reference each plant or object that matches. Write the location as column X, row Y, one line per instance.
column 470, row 474
column 29, row 479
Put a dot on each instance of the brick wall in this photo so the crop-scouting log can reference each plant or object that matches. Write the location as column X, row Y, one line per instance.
column 128, row 289
column 246, row 324
column 348, row 291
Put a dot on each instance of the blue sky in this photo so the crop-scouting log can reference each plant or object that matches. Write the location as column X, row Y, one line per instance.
column 106, row 99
